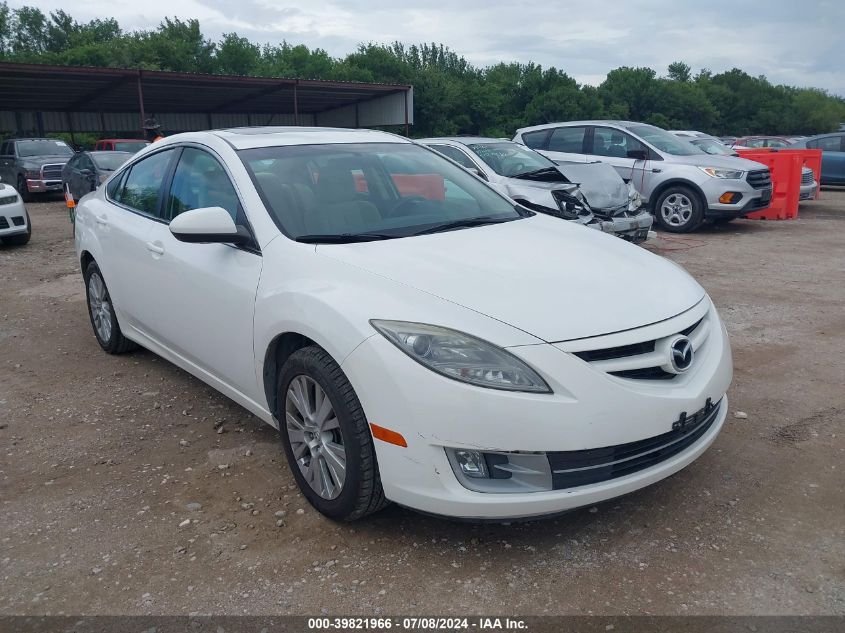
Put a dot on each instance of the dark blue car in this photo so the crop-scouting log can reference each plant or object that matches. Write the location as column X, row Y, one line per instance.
column 833, row 155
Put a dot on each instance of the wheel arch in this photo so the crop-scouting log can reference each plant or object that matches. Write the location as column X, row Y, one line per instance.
column 278, row 351
column 663, row 186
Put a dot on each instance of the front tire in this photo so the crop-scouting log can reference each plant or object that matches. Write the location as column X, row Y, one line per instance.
column 679, row 209
column 102, row 315
column 326, row 437
column 23, row 190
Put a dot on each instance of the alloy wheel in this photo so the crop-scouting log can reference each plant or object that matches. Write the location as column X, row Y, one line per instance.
column 98, row 300
column 315, row 437
column 676, row 209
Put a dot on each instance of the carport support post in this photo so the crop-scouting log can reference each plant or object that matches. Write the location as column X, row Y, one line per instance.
column 407, row 131
column 70, row 128
column 141, row 106
column 295, row 104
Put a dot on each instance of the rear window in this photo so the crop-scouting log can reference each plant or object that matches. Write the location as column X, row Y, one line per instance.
column 130, row 146
column 43, row 147
column 109, row 161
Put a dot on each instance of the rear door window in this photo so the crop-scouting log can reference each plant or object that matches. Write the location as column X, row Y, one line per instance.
column 141, row 188
column 567, row 139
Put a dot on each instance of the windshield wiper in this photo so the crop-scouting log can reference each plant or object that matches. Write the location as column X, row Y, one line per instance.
column 344, row 238
column 538, row 172
column 462, row 224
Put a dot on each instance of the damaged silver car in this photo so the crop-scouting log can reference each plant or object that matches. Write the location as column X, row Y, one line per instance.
column 588, row 194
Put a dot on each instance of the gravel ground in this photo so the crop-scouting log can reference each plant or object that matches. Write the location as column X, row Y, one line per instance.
column 129, row 487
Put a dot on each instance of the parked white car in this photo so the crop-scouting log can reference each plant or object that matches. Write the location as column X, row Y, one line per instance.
column 593, row 195
column 15, row 228
column 416, row 336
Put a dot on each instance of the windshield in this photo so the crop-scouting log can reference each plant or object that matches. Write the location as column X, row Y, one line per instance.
column 130, row 146
column 109, row 161
column 713, row 147
column 43, row 147
column 385, row 190
column 664, row 141
column 510, row 159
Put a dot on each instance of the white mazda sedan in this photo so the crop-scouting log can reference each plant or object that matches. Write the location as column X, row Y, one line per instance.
column 415, row 336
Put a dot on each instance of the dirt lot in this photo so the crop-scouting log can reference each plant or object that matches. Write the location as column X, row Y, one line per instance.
column 101, row 456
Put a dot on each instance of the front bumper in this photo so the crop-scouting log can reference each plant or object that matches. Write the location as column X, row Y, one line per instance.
column 808, row 191
column 751, row 199
column 13, row 218
column 588, row 409
column 43, row 186
column 633, row 229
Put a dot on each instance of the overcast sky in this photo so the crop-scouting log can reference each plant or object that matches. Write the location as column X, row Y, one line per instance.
column 796, row 42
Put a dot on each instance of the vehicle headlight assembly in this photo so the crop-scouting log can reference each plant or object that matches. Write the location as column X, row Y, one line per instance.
column 461, row 357
column 715, row 172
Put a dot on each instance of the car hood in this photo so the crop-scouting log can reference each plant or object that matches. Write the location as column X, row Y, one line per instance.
column 712, row 160
column 600, row 183
column 555, row 280
column 37, row 161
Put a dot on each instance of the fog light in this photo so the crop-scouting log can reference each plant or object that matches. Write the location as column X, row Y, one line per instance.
column 471, row 463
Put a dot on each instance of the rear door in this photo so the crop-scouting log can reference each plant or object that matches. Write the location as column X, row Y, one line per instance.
column 123, row 227
column 833, row 157
column 204, row 300
column 567, row 144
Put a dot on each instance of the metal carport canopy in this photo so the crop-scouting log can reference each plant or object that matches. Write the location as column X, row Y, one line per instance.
column 44, row 88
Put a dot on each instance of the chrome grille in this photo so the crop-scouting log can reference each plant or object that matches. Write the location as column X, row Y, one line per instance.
column 759, row 178
column 807, row 177
column 52, row 171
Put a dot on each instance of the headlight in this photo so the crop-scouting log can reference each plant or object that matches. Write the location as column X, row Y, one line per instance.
column 461, row 357
column 715, row 172
column 32, row 174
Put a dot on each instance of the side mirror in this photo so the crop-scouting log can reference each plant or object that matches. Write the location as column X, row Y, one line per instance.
column 638, row 154
column 477, row 172
column 208, row 225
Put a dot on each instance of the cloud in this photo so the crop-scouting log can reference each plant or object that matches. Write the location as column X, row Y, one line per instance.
column 789, row 42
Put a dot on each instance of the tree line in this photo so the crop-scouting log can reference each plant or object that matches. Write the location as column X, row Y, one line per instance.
column 452, row 96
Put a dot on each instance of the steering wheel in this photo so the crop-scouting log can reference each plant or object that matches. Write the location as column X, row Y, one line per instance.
column 404, row 201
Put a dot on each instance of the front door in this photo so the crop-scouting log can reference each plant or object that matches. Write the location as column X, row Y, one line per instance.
column 611, row 146
column 205, row 293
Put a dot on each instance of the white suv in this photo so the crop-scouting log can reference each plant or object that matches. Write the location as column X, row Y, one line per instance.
column 681, row 183
column 415, row 335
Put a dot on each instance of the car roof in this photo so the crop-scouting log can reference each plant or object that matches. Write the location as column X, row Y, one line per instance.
column 462, row 140
column 616, row 122
column 272, row 136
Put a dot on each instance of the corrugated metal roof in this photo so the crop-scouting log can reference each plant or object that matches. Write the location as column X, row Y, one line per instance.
column 43, row 88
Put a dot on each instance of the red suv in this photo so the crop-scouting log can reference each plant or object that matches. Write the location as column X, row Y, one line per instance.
column 121, row 144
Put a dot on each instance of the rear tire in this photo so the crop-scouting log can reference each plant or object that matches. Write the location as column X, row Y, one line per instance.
column 679, row 209
column 332, row 456
column 102, row 315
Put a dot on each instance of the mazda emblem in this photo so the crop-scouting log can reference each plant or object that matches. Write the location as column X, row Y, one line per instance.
column 681, row 354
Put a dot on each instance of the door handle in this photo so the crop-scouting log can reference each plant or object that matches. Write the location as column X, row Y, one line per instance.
column 101, row 220
column 155, row 248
